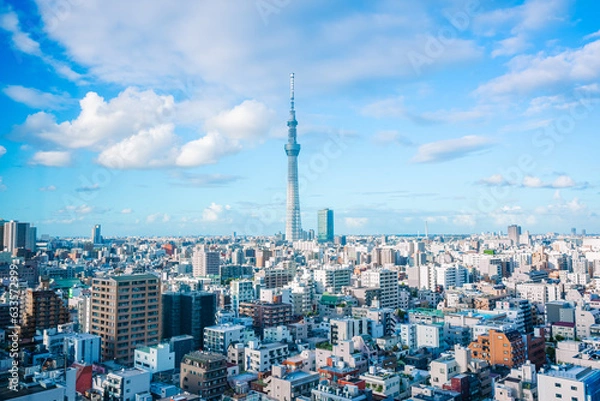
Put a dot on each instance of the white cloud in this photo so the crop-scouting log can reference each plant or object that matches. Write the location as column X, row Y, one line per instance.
column 23, row 42
column 510, row 46
column 532, row 182
column 249, row 120
column 391, row 107
column 49, row 188
column 101, row 123
column 2, row 186
column 51, row 158
column 214, row 212
column 147, row 149
column 35, row 98
column 391, row 137
column 450, row 149
column 495, row 179
column 215, row 41
column 530, row 73
column 20, row 40
column 2, row 150
column 467, row 220
column 127, row 211
column 563, row 181
column 356, row 222
column 563, row 208
column 136, row 130
column 158, row 217
column 542, row 103
column 592, row 35
column 78, row 211
column 206, row 150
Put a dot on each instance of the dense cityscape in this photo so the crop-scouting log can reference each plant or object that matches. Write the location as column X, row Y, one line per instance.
column 332, row 317
column 271, row 200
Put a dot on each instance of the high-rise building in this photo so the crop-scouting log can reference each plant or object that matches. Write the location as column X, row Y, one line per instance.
column 97, row 234
column 325, row 225
column 514, row 234
column 126, row 314
column 293, row 226
column 188, row 313
column 2, row 222
column 387, row 281
column 18, row 236
column 40, row 309
column 205, row 263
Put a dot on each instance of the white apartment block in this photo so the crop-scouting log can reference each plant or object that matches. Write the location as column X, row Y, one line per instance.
column 157, row 358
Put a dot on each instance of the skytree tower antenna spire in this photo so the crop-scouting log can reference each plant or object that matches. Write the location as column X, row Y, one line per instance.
column 293, row 227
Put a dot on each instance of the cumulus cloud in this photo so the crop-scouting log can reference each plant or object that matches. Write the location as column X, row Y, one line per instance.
column 127, row 211
column 135, row 130
column 101, row 123
column 2, row 150
column 147, row 149
column 532, row 182
column 51, row 158
column 214, row 212
column 450, row 149
column 563, row 181
column 35, row 98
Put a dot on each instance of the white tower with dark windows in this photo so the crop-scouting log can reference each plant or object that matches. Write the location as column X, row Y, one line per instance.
column 293, row 226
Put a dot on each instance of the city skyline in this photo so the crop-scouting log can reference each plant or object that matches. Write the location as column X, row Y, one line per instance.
column 470, row 117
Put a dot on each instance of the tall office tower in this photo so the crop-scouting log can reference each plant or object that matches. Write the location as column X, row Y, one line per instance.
column 188, row 313
column 293, row 226
column 2, row 222
column 10, row 235
column 514, row 233
column 126, row 314
column 97, row 234
column 40, row 309
column 31, row 238
column 16, row 236
column 325, row 223
column 205, row 263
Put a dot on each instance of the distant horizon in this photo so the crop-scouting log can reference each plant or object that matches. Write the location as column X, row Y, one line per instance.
column 470, row 116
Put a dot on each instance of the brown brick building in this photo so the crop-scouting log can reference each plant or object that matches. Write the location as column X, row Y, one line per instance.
column 40, row 309
column 205, row 374
column 126, row 314
column 267, row 314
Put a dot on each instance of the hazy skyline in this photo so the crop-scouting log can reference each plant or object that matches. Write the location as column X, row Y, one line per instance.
column 171, row 119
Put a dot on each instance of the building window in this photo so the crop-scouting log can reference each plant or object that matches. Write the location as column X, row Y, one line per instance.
column 557, row 385
column 573, row 388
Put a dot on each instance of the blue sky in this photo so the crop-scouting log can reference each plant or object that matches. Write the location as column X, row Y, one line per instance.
column 171, row 118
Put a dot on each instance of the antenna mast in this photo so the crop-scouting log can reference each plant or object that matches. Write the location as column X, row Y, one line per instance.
column 292, row 90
